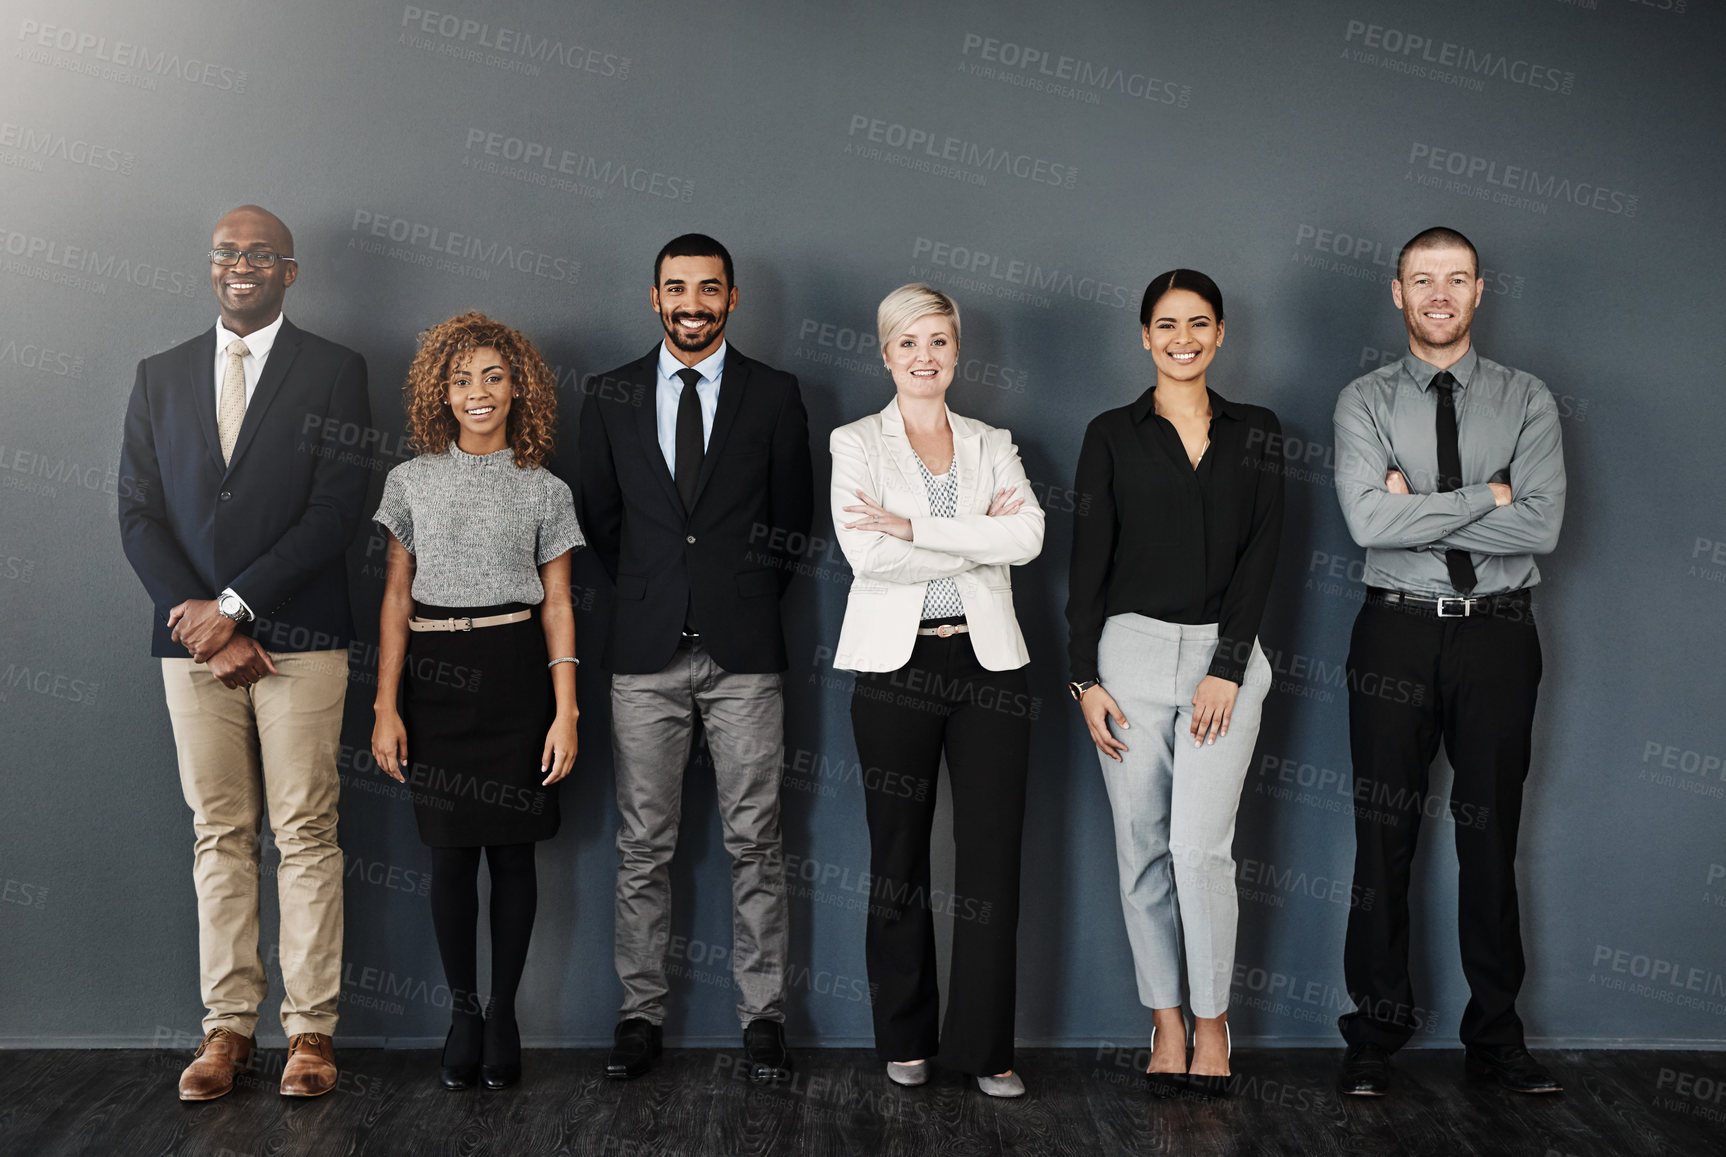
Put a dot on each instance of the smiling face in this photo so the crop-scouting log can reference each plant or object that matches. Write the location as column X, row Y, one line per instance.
column 922, row 356
column 693, row 301
column 1437, row 290
column 251, row 298
column 480, row 389
column 1183, row 336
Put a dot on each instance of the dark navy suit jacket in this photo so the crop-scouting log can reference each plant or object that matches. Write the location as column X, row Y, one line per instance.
column 730, row 558
column 274, row 523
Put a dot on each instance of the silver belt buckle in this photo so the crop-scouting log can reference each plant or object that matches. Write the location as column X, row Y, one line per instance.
column 461, row 624
column 1465, row 602
column 946, row 631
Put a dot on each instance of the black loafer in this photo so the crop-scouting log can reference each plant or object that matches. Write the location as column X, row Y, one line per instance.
column 1510, row 1066
column 764, row 1045
column 501, row 1066
column 1365, row 1071
column 636, row 1044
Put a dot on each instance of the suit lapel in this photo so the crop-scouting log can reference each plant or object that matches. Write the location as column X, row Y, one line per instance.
column 647, row 426
column 967, row 456
column 202, row 374
column 898, row 448
column 276, row 368
column 733, row 380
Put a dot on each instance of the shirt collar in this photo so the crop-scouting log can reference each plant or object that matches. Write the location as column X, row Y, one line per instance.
column 709, row 367
column 1221, row 407
column 1423, row 371
column 258, row 342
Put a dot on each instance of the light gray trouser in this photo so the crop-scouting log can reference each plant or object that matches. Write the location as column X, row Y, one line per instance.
column 652, row 724
column 1174, row 806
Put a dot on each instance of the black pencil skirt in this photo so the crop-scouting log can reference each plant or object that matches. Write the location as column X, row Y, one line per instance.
column 477, row 705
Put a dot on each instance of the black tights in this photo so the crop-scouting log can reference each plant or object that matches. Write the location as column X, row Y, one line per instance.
column 455, row 917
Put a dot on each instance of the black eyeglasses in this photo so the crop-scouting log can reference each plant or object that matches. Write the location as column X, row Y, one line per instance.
column 257, row 258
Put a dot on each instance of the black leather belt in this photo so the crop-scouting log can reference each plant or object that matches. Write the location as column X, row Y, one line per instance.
column 1452, row 606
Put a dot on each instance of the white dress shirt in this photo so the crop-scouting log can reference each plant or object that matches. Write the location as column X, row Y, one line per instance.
column 258, row 343
column 669, row 391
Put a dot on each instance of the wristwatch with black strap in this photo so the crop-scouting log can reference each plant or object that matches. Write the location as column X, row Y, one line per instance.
column 1077, row 690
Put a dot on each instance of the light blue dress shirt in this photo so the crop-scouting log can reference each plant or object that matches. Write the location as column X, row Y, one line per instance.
column 669, row 391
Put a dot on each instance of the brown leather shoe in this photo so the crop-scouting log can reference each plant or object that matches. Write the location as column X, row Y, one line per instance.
column 311, row 1067
column 211, row 1073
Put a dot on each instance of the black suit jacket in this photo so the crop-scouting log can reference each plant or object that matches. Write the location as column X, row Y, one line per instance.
column 734, row 553
column 275, row 523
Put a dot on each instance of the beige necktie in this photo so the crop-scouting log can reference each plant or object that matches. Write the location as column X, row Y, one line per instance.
column 231, row 409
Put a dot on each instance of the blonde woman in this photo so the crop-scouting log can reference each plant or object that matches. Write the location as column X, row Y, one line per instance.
column 931, row 510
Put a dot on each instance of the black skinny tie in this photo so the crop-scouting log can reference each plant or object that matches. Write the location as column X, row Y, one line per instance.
column 1458, row 562
column 689, row 441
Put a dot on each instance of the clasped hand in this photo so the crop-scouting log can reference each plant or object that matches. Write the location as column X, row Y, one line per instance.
column 1397, row 484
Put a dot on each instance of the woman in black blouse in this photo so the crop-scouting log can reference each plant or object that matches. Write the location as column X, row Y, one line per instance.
column 1171, row 566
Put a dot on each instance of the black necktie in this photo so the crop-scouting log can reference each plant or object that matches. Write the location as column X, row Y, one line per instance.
column 688, row 446
column 1458, row 562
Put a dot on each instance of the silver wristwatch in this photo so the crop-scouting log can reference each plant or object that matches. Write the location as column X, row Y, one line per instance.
column 230, row 606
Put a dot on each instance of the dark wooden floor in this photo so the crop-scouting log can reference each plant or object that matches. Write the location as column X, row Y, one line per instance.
column 1082, row 1102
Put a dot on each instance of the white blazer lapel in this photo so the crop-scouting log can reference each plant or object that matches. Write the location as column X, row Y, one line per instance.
column 968, row 457
column 899, row 452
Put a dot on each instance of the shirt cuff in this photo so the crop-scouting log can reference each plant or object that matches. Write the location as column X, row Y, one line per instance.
column 1480, row 499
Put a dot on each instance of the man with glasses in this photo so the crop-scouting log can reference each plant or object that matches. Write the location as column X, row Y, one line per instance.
column 236, row 518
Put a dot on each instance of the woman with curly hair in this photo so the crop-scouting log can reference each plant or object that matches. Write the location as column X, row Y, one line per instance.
column 480, row 535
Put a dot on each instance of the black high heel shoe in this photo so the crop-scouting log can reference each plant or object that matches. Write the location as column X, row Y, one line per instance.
column 1164, row 1084
column 1215, row 1084
column 460, row 1070
column 502, row 1065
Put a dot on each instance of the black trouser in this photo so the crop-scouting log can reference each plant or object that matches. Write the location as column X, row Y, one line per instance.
column 1415, row 678
column 943, row 700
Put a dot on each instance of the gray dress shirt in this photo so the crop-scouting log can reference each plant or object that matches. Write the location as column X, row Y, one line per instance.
column 1507, row 431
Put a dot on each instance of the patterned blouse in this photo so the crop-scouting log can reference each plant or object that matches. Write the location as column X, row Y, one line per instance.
column 941, row 599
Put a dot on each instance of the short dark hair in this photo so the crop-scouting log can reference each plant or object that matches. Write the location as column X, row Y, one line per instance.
column 1190, row 279
column 694, row 245
column 1438, row 237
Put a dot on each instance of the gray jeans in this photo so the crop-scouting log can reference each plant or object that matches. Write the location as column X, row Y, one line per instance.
column 652, row 725
column 1174, row 806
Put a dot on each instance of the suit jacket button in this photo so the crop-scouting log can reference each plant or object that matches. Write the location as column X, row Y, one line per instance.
column 691, row 538
column 225, row 495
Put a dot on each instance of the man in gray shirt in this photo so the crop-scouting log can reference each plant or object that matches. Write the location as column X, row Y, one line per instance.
column 1450, row 473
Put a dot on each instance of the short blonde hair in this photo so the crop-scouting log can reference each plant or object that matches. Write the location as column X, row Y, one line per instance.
column 907, row 304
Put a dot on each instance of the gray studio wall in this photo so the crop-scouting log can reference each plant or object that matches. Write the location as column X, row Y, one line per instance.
column 1041, row 162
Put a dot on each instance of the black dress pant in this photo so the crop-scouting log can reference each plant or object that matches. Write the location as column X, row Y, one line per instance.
column 1415, row 679
column 943, row 700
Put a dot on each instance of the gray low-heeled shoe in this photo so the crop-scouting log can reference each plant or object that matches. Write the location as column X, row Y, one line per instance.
column 1007, row 1086
column 908, row 1075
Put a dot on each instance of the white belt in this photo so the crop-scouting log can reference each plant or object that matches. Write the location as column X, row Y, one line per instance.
column 946, row 630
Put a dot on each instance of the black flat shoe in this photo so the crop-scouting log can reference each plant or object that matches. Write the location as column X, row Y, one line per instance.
column 458, row 1069
column 764, row 1045
column 636, row 1044
column 1510, row 1066
column 1365, row 1071
column 502, row 1066
column 1163, row 1084
column 1214, row 1084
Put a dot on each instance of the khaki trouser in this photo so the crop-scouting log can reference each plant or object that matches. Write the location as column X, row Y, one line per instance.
column 273, row 744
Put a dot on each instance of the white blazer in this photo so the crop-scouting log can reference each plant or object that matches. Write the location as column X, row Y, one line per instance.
column 974, row 550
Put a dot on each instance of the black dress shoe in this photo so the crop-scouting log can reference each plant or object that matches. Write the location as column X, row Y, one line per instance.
column 636, row 1044
column 1365, row 1071
column 1510, row 1066
column 459, row 1067
column 502, row 1065
column 764, row 1045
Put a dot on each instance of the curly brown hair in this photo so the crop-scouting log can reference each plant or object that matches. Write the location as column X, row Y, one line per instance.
column 532, row 423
